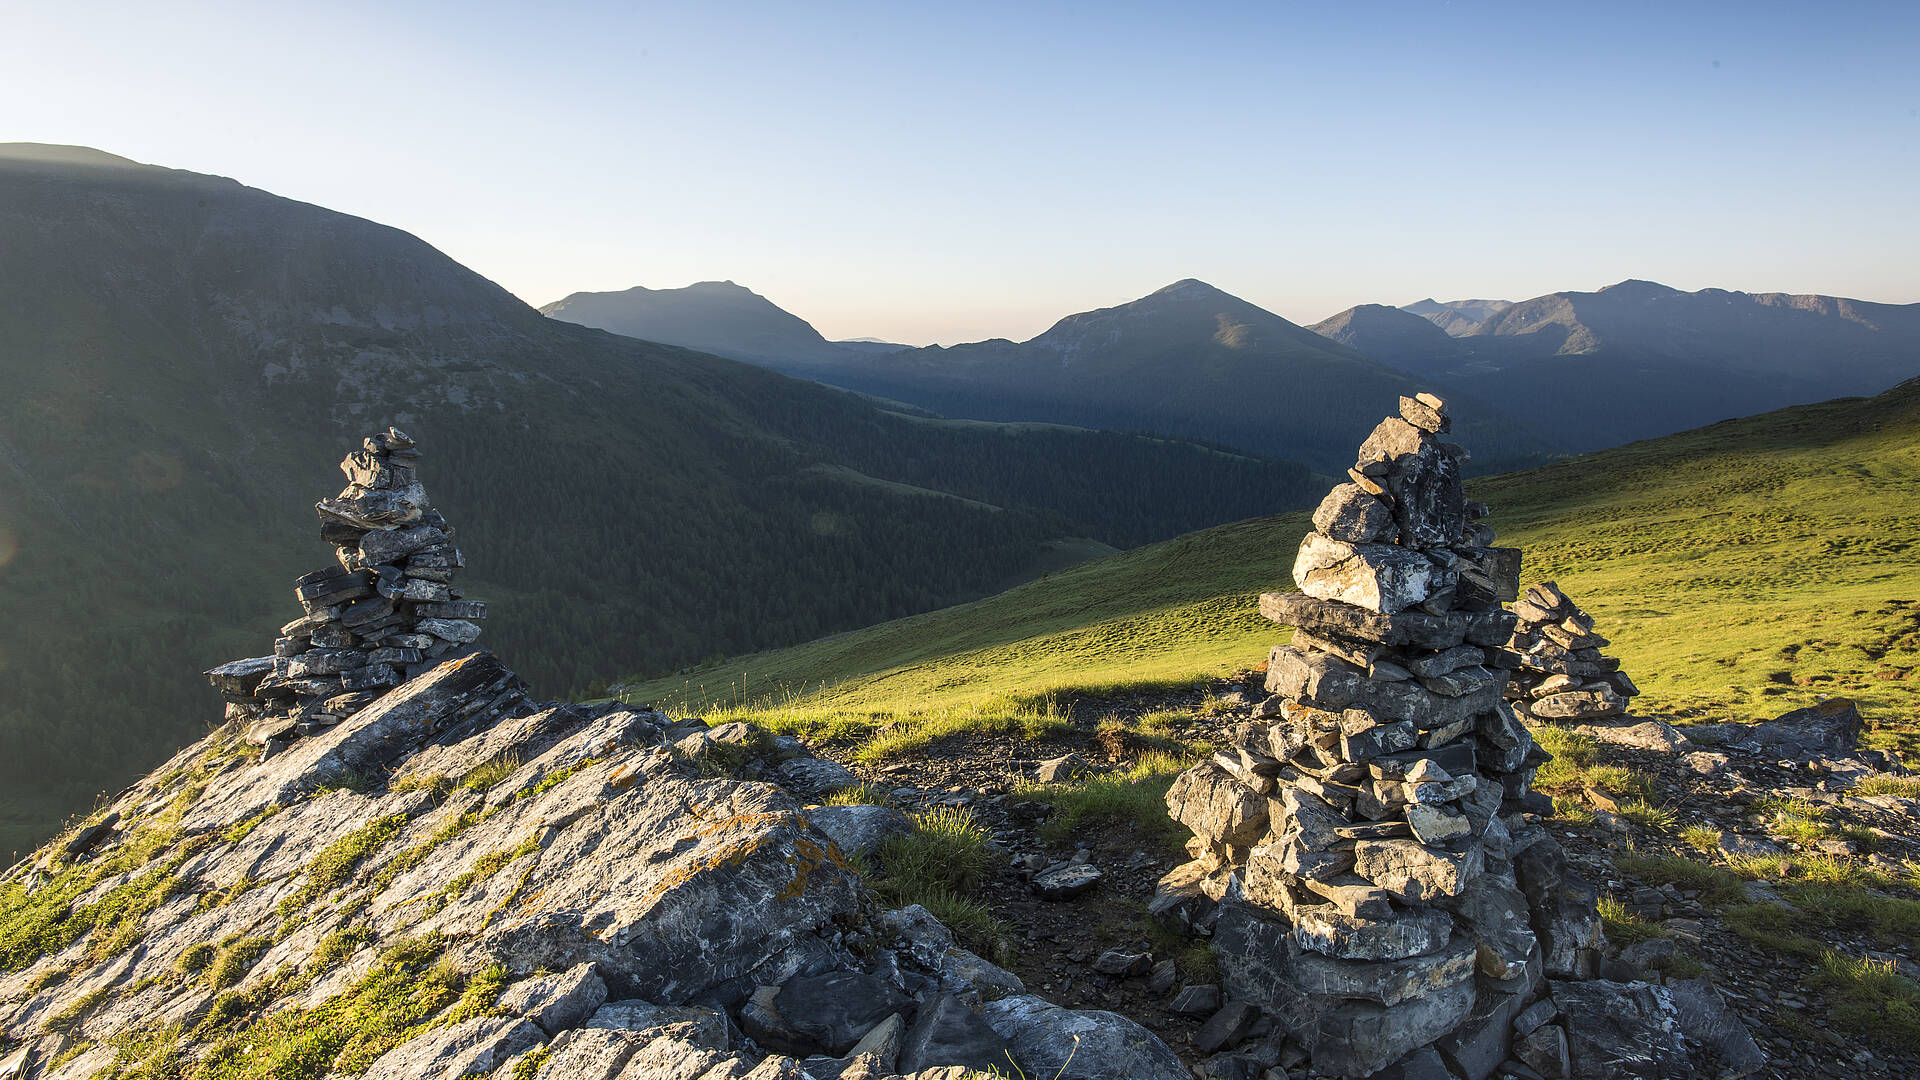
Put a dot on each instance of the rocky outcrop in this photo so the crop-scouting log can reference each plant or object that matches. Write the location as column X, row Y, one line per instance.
column 452, row 881
column 1375, row 878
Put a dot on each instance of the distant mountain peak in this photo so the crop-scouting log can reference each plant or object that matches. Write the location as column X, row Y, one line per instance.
column 1187, row 289
column 1639, row 285
column 720, row 317
column 62, row 154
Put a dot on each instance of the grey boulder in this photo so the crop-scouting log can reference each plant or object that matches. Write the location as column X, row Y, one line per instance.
column 1076, row 1044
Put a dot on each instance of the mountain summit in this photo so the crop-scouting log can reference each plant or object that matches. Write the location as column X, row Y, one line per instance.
column 713, row 316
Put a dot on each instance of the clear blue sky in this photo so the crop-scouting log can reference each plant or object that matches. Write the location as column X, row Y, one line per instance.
column 946, row 172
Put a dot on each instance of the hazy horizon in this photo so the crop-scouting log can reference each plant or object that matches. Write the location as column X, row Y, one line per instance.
column 934, row 176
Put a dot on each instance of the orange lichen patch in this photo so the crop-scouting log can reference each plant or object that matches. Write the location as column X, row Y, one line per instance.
column 730, row 853
column 623, row 777
column 770, row 829
column 808, row 857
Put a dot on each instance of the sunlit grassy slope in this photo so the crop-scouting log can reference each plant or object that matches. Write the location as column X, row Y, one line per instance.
column 1740, row 569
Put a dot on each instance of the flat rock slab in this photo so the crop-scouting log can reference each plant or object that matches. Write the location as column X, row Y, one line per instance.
column 1075, row 1044
column 1066, row 882
column 1657, row 735
column 370, row 739
column 450, row 1053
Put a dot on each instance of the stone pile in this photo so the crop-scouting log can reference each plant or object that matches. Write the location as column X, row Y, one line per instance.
column 1367, row 853
column 386, row 613
column 1559, row 672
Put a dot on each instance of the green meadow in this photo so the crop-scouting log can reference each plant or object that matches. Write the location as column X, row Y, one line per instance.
column 1740, row 570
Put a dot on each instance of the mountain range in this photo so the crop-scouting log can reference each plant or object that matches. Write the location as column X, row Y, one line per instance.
column 1561, row 373
column 186, row 357
column 1640, row 359
column 1188, row 360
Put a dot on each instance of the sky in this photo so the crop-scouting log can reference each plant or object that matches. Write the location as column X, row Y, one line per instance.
column 951, row 172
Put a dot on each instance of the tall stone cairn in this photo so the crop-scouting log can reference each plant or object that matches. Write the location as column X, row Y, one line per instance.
column 387, row 612
column 1559, row 672
column 1367, row 855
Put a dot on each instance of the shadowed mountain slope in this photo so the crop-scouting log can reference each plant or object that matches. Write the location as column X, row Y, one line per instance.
column 183, row 354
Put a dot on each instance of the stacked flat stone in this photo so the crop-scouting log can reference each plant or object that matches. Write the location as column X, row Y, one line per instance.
column 1359, row 838
column 1559, row 672
column 385, row 613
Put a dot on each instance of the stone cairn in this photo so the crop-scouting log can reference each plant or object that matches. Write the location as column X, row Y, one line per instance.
column 389, row 610
column 1368, row 857
column 1559, row 672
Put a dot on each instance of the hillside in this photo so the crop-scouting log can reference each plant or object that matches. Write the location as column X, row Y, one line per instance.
column 1740, row 569
column 184, row 355
column 717, row 317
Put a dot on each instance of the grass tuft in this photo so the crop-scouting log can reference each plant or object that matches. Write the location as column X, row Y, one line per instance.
column 1868, row 996
column 338, row 860
column 1136, row 795
column 860, row 795
column 1907, row 787
column 1623, row 926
